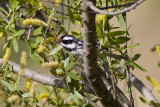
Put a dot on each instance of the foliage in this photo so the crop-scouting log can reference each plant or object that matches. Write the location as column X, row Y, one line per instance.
column 108, row 36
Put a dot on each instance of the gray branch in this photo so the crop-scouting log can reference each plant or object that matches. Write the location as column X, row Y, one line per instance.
column 99, row 11
column 53, row 81
column 90, row 58
column 139, row 86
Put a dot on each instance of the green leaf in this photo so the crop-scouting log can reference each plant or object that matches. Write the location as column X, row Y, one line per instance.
column 15, row 44
column 35, row 59
column 121, row 40
column 66, row 61
column 17, row 83
column 2, row 30
column 13, row 4
column 55, row 50
column 116, row 33
column 38, row 31
column 136, row 57
column 131, row 46
column 8, row 85
column 71, row 16
column 70, row 65
column 154, row 104
column 121, row 21
column 61, row 30
column 78, row 95
column 39, row 57
column 19, row 33
column 73, row 75
column 74, row 98
column 99, row 32
column 137, row 66
column 143, row 99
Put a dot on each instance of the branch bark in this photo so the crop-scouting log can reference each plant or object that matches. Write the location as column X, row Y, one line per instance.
column 138, row 84
column 90, row 58
column 99, row 11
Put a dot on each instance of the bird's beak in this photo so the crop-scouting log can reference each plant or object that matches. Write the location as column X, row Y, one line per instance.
column 57, row 42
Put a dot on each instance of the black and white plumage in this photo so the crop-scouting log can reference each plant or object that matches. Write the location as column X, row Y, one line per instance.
column 73, row 45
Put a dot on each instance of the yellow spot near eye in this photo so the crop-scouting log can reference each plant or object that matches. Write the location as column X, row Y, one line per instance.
column 60, row 40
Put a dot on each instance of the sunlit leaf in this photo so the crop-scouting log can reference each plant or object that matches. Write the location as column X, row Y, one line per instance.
column 55, row 50
column 35, row 59
column 137, row 66
column 38, row 31
column 71, row 16
column 73, row 75
column 15, row 45
column 116, row 33
column 131, row 46
column 121, row 21
column 143, row 99
column 19, row 33
column 8, row 85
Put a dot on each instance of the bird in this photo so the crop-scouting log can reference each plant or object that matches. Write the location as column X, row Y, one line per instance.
column 75, row 47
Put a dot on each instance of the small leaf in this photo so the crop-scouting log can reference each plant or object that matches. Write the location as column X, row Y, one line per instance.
column 136, row 57
column 19, row 33
column 35, row 59
column 74, row 98
column 116, row 33
column 73, row 75
column 99, row 32
column 15, row 45
column 154, row 104
column 70, row 65
column 38, row 31
column 71, row 16
column 121, row 21
column 61, row 30
column 66, row 61
column 55, row 50
column 78, row 95
column 143, row 99
column 131, row 46
column 2, row 30
column 137, row 66
column 121, row 40
column 13, row 4
column 8, row 85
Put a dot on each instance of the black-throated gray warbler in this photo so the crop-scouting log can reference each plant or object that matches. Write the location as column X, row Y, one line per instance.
column 75, row 47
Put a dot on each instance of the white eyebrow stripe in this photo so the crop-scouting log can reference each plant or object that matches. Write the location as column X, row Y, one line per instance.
column 68, row 38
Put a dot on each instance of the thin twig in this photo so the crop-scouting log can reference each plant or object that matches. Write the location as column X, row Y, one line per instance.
column 128, row 67
column 53, row 90
column 117, row 6
column 99, row 11
column 29, row 32
column 4, row 16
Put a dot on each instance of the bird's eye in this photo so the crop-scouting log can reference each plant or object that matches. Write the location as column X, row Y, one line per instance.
column 67, row 41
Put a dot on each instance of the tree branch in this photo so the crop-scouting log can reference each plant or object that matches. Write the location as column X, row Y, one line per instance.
column 90, row 58
column 139, row 86
column 117, row 6
column 99, row 11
